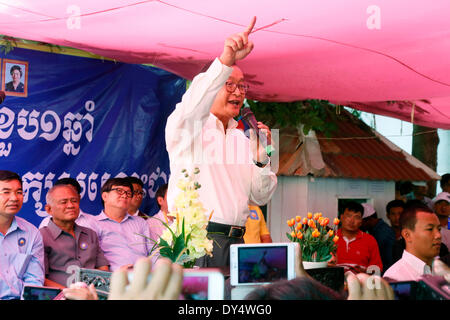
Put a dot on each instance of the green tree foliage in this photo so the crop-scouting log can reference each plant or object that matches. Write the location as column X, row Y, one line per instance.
column 317, row 115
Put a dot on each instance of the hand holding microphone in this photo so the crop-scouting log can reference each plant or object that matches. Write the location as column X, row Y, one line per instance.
column 260, row 137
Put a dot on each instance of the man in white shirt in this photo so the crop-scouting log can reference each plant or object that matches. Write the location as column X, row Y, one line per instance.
column 421, row 231
column 202, row 133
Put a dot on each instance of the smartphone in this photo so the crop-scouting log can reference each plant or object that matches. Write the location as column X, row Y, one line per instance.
column 203, row 284
column 261, row 263
column 199, row 284
column 404, row 290
column 41, row 293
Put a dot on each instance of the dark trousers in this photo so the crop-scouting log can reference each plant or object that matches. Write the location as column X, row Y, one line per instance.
column 221, row 251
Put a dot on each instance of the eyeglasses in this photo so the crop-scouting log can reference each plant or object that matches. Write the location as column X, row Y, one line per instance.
column 231, row 87
column 121, row 192
column 139, row 193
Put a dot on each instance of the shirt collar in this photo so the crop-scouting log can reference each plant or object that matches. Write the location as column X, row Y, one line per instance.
column 135, row 214
column 232, row 124
column 358, row 235
column 418, row 265
column 56, row 231
column 103, row 216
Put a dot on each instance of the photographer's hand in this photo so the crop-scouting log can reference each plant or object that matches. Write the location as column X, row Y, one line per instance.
column 165, row 283
column 299, row 270
column 80, row 291
column 367, row 287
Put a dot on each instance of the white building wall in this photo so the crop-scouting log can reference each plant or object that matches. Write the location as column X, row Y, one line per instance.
column 300, row 195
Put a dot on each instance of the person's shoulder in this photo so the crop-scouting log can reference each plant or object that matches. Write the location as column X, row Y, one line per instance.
column 85, row 229
column 26, row 225
column 368, row 237
column 394, row 271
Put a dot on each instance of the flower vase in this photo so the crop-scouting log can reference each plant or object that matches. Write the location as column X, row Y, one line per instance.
column 314, row 265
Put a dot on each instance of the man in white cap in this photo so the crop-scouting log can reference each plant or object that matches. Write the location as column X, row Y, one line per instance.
column 381, row 231
column 441, row 208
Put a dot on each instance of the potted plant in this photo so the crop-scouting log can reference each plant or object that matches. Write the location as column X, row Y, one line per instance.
column 317, row 240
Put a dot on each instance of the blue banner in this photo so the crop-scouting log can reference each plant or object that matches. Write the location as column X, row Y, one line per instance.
column 85, row 118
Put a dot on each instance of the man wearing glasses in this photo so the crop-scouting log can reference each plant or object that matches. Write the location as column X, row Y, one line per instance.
column 202, row 133
column 21, row 245
column 123, row 237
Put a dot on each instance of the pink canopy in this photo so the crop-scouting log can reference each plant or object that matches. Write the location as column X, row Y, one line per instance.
column 360, row 53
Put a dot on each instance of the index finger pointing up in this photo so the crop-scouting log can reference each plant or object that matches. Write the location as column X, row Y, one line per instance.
column 250, row 27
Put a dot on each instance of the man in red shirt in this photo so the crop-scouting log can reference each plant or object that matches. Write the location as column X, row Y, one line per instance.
column 356, row 250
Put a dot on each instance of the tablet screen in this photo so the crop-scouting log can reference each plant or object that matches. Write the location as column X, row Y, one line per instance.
column 262, row 264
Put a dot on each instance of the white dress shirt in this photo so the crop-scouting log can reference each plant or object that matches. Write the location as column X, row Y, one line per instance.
column 196, row 138
column 408, row 268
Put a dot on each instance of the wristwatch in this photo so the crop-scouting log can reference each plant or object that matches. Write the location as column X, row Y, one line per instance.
column 260, row 164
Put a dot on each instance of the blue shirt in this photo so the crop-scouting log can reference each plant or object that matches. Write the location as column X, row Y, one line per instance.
column 123, row 242
column 21, row 259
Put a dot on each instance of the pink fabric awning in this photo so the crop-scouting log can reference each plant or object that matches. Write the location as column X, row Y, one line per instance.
column 360, row 53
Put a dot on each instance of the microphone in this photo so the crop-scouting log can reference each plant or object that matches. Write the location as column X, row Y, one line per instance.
column 2, row 96
column 249, row 118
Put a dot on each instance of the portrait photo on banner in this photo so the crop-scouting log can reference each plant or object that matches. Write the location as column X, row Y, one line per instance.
column 15, row 77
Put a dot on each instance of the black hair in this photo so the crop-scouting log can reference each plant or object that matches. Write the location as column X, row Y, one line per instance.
column 161, row 192
column 408, row 218
column 16, row 67
column 122, row 182
column 301, row 288
column 6, row 175
column 394, row 204
column 445, row 179
column 135, row 181
column 354, row 206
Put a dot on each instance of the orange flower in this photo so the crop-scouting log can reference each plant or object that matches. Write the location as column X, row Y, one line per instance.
column 299, row 235
column 336, row 221
column 316, row 216
column 312, row 224
column 310, row 215
column 293, row 234
column 291, row 222
column 330, row 233
column 315, row 233
column 325, row 222
column 321, row 221
column 335, row 239
column 298, row 227
column 305, row 220
column 298, row 218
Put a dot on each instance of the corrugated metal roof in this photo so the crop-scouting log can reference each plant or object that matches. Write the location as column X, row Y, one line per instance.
column 353, row 151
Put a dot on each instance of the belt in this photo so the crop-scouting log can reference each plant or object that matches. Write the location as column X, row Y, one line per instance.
column 226, row 229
